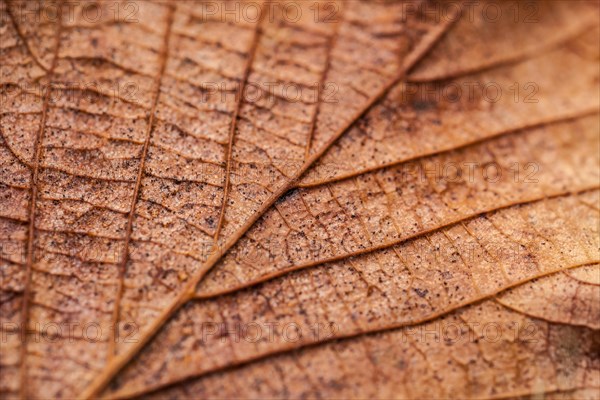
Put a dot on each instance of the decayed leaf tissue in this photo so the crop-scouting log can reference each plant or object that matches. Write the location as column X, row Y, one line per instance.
column 346, row 199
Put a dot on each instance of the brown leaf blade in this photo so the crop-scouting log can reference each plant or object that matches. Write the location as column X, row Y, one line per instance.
column 377, row 209
column 144, row 146
column 143, row 166
column 241, row 222
column 437, row 116
column 478, row 352
column 85, row 179
column 420, row 280
column 25, row 98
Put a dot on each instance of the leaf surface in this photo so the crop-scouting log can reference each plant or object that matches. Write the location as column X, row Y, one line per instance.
column 484, row 35
column 429, row 117
column 419, row 280
column 127, row 191
column 356, row 215
column 171, row 174
column 430, row 360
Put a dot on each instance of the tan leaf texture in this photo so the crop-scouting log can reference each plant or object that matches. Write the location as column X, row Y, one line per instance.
column 299, row 199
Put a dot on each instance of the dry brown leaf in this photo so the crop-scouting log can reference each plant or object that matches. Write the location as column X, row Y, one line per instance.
column 148, row 153
column 434, row 274
column 444, row 114
column 485, row 37
column 141, row 185
column 480, row 351
column 567, row 298
column 377, row 209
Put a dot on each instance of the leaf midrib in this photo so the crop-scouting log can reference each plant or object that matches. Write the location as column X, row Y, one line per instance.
column 188, row 292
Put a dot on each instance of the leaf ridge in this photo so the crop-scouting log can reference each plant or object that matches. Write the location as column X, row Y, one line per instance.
column 330, row 44
column 138, row 181
column 405, row 115
column 546, row 318
column 538, row 124
column 235, row 117
column 21, row 36
column 514, row 59
column 32, row 212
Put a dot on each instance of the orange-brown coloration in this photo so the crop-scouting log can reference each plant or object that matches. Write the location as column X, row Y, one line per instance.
column 159, row 177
